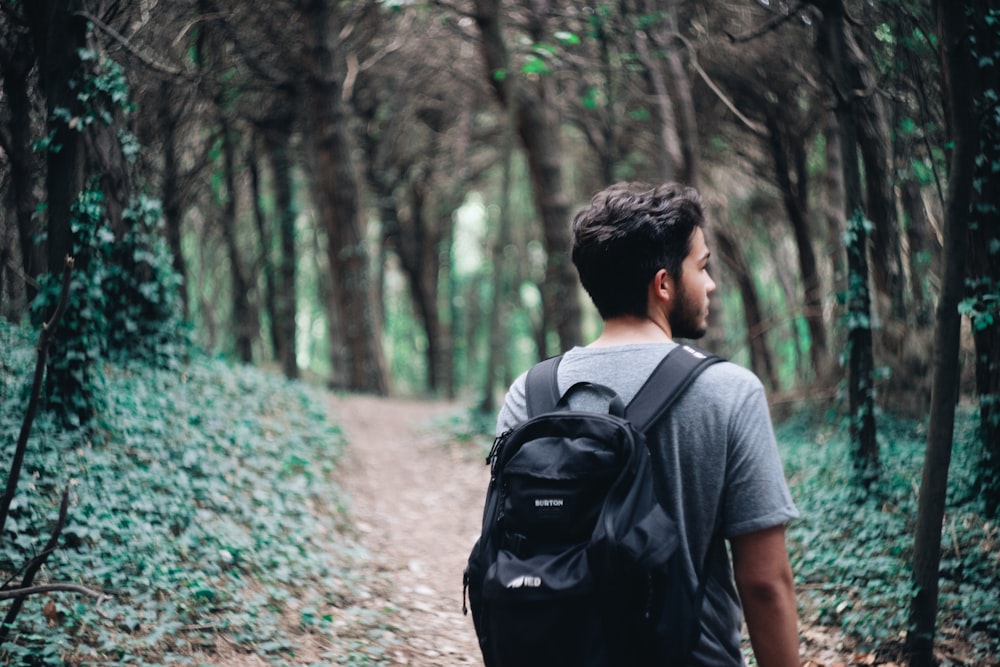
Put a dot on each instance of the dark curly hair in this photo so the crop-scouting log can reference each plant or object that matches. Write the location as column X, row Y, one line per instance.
column 627, row 233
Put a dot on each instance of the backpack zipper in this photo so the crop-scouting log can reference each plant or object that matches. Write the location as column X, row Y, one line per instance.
column 491, row 458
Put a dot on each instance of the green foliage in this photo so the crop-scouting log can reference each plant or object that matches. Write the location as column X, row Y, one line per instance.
column 101, row 92
column 105, row 90
column 851, row 552
column 983, row 306
column 123, row 300
column 202, row 506
column 123, row 304
column 74, row 380
column 141, row 290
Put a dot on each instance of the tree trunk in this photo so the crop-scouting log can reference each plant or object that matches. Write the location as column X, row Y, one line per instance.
column 795, row 193
column 60, row 34
column 17, row 65
column 244, row 326
column 918, row 237
column 958, row 66
column 538, row 128
column 418, row 245
column 12, row 298
column 338, row 203
column 497, row 331
column 984, row 263
column 834, row 48
column 833, row 205
column 873, row 137
column 277, row 144
column 761, row 361
column 265, row 240
column 669, row 157
column 173, row 206
column 679, row 84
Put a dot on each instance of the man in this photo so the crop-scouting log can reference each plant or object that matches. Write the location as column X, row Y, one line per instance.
column 641, row 256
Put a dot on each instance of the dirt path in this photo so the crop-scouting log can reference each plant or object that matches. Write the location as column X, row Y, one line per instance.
column 416, row 503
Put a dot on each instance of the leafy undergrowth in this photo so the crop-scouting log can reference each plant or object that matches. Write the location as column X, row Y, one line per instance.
column 202, row 508
column 852, row 555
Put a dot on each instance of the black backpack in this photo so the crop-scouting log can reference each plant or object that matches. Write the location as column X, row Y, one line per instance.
column 574, row 566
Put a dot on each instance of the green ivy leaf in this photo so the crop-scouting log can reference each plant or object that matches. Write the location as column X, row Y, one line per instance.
column 535, row 65
column 567, row 37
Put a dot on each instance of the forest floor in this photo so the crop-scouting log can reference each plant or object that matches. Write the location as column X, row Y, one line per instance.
column 415, row 500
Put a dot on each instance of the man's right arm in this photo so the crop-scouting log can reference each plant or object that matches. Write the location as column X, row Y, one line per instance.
column 767, row 591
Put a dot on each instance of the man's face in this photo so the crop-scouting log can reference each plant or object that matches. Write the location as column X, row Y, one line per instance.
column 689, row 314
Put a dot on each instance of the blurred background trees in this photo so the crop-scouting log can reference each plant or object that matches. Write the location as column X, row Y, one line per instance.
column 324, row 182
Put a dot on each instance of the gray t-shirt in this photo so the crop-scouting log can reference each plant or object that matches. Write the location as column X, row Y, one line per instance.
column 715, row 463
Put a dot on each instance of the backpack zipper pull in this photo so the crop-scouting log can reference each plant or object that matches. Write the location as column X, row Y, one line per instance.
column 495, row 449
column 465, row 592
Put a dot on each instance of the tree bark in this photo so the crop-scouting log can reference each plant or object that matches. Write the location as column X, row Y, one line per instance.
column 245, row 324
column 18, row 61
column 277, row 143
column 873, row 137
column 789, row 158
column 538, row 128
column 984, row 260
column 834, row 48
column 338, row 203
column 417, row 242
column 761, row 361
column 59, row 34
column 170, row 190
column 669, row 158
column 265, row 261
column 958, row 68
column 918, row 237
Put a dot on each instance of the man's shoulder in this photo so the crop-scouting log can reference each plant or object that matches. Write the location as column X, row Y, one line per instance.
column 730, row 372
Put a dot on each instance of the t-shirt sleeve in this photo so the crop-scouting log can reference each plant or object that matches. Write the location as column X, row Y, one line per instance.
column 757, row 495
column 515, row 406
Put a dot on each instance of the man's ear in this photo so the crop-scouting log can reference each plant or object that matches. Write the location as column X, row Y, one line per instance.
column 662, row 289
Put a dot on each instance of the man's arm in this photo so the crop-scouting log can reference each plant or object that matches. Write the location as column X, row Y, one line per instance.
column 767, row 591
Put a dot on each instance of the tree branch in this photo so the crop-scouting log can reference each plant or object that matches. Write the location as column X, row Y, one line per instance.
column 751, row 124
column 124, row 41
column 9, row 593
column 771, row 25
column 36, row 390
column 21, row 594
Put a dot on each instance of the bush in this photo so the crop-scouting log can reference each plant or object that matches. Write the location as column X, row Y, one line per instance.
column 201, row 504
column 851, row 554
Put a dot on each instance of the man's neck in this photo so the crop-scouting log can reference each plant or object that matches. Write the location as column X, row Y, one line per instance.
column 631, row 330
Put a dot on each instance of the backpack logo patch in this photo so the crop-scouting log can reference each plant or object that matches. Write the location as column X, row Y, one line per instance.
column 524, row 581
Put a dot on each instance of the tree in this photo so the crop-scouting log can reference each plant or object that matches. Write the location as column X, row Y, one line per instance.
column 337, row 195
column 20, row 257
column 846, row 79
column 121, row 298
column 416, row 139
column 278, row 145
column 982, row 302
column 539, row 130
column 962, row 94
column 730, row 250
column 778, row 106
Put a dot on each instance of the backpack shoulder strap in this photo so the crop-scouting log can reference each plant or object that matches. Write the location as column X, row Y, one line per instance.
column 667, row 382
column 541, row 389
